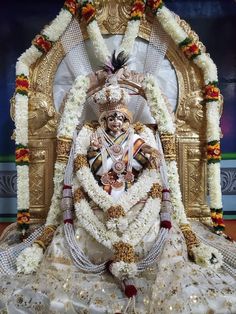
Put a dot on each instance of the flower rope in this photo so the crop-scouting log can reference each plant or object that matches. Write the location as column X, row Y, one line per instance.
column 40, row 45
column 211, row 94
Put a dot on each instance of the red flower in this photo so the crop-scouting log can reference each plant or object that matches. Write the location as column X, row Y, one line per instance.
column 155, row 5
column 70, row 5
column 23, row 217
column 88, row 12
column 42, row 43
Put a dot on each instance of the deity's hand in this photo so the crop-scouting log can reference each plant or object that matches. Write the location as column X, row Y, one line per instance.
column 29, row 259
column 95, row 142
column 154, row 155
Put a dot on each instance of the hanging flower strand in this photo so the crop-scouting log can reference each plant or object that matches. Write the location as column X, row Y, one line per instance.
column 41, row 44
column 211, row 94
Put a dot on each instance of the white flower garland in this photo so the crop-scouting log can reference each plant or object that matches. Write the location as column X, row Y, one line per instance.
column 165, row 124
column 29, row 57
column 123, row 270
column 100, row 48
column 209, row 70
column 72, row 112
column 203, row 256
column 27, row 262
column 132, row 235
column 127, row 200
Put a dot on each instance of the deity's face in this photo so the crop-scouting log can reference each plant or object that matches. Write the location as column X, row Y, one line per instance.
column 115, row 121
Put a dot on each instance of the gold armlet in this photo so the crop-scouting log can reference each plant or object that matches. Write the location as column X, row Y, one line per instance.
column 46, row 237
column 190, row 238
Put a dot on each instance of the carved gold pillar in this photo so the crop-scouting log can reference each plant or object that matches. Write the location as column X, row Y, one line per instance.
column 42, row 159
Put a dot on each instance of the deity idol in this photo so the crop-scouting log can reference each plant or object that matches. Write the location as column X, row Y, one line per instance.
column 118, row 251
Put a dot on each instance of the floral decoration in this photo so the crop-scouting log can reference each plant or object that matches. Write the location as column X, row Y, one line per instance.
column 22, row 155
column 217, row 219
column 71, row 6
column 88, row 11
column 211, row 91
column 22, row 84
column 213, row 152
column 189, row 48
column 155, row 5
column 42, row 43
column 28, row 261
column 137, row 10
column 23, row 218
column 211, row 95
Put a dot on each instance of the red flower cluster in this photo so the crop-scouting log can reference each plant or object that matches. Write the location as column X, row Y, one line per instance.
column 155, row 5
column 22, row 155
column 189, row 48
column 211, row 92
column 217, row 219
column 23, row 218
column 71, row 6
column 137, row 10
column 213, row 152
column 22, row 84
column 42, row 43
column 88, row 11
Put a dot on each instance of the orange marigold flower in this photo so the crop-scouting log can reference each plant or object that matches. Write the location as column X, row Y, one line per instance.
column 88, row 12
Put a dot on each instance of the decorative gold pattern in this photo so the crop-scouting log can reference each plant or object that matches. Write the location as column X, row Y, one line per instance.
column 46, row 237
column 63, row 149
column 115, row 212
column 169, row 146
column 80, row 161
column 156, row 191
column 124, row 252
column 190, row 238
column 78, row 195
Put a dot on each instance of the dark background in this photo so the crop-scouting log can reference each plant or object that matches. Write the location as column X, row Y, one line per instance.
column 213, row 20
